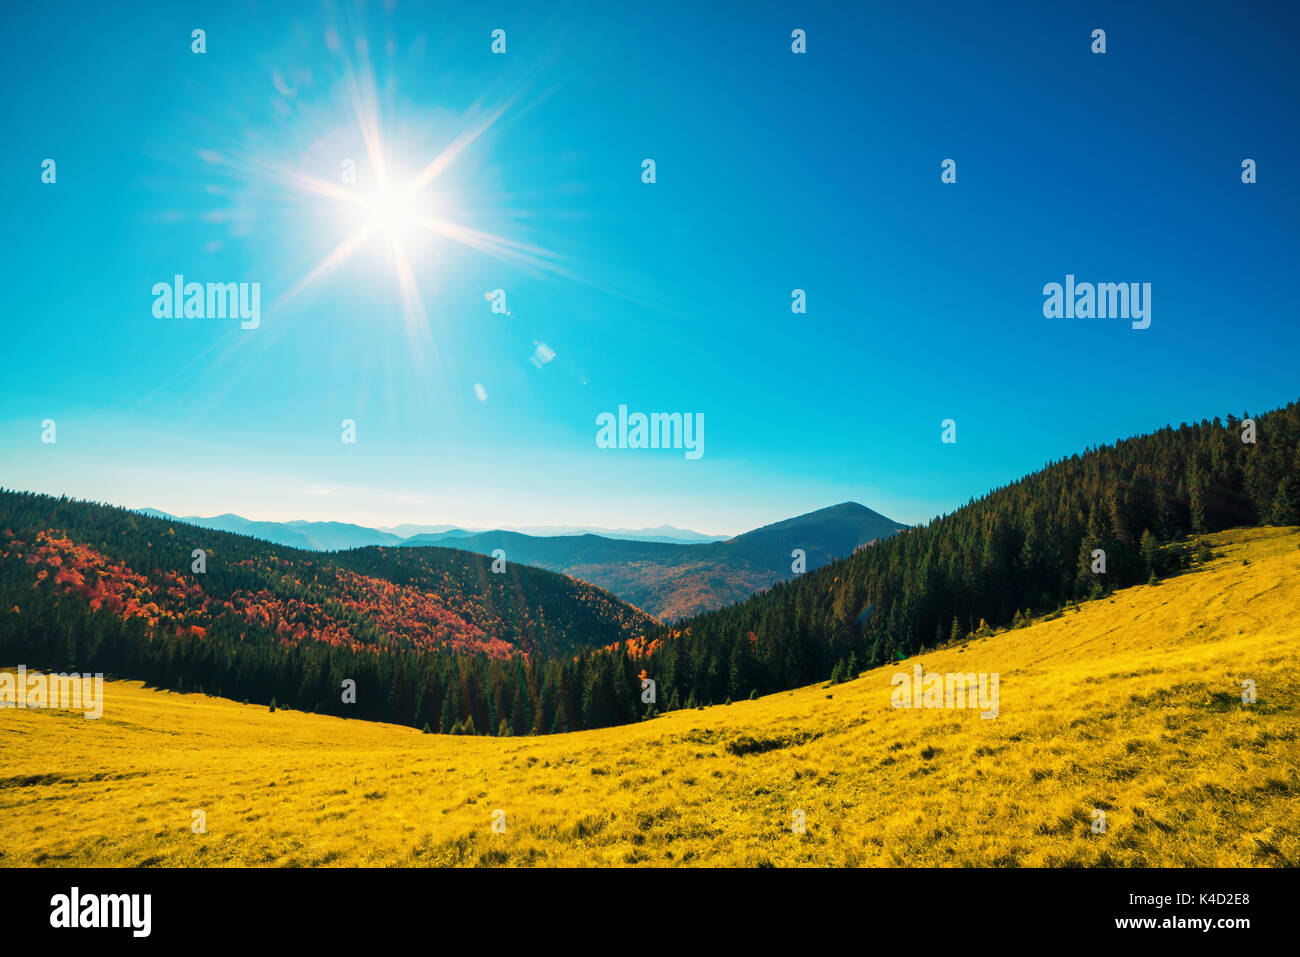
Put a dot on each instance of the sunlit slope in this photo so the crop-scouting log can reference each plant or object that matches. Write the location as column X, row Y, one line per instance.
column 1131, row 705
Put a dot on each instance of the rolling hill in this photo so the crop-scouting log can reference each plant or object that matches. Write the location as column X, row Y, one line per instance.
column 337, row 536
column 433, row 636
column 1079, row 527
column 1129, row 705
column 669, row 572
column 441, row 640
column 673, row 581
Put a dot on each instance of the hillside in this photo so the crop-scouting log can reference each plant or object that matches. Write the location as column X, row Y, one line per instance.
column 430, row 635
column 423, row 599
column 308, row 536
column 660, row 533
column 338, row 536
column 669, row 572
column 1130, row 704
column 1077, row 528
column 674, row 581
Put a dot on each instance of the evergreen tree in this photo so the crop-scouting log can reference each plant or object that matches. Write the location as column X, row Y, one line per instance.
column 1286, row 502
column 1150, row 552
column 1022, row 546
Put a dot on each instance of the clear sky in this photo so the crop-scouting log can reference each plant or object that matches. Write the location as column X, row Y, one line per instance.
column 774, row 171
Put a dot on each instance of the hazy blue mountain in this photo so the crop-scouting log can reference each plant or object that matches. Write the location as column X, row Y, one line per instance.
column 314, row 536
column 663, row 533
column 668, row 578
column 672, row 580
column 406, row 531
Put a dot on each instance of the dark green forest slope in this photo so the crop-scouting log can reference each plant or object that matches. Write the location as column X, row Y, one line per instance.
column 1024, row 548
column 431, row 636
column 434, row 639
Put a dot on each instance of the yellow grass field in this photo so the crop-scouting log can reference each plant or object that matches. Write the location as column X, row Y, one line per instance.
column 1131, row 705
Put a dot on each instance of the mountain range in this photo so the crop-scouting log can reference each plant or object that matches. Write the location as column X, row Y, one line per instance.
column 447, row 639
column 661, row 533
column 666, row 573
column 336, row 536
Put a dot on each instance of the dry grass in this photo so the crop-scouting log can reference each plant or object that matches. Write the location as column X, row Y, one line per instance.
column 1130, row 704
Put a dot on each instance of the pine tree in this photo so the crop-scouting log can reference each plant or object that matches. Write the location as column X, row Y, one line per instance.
column 1150, row 552
column 1286, row 508
column 588, row 710
column 523, row 712
column 1196, row 500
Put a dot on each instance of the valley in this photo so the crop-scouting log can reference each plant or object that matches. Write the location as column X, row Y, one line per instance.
column 1130, row 705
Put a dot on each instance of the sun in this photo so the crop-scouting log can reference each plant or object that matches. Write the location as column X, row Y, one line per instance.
column 389, row 213
column 395, row 208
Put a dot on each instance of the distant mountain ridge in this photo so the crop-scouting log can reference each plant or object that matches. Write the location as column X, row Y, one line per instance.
column 337, row 536
column 662, row 533
column 309, row 536
column 667, row 578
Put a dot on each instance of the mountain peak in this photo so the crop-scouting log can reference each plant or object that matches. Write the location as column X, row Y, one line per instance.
column 848, row 519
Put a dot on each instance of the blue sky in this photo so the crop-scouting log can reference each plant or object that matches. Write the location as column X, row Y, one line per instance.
column 775, row 171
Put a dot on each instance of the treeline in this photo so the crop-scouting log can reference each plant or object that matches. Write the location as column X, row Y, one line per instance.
column 416, row 624
column 430, row 637
column 371, row 593
column 1023, row 549
column 440, row 692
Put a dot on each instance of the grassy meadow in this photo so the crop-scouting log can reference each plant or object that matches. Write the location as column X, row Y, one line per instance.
column 1131, row 705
